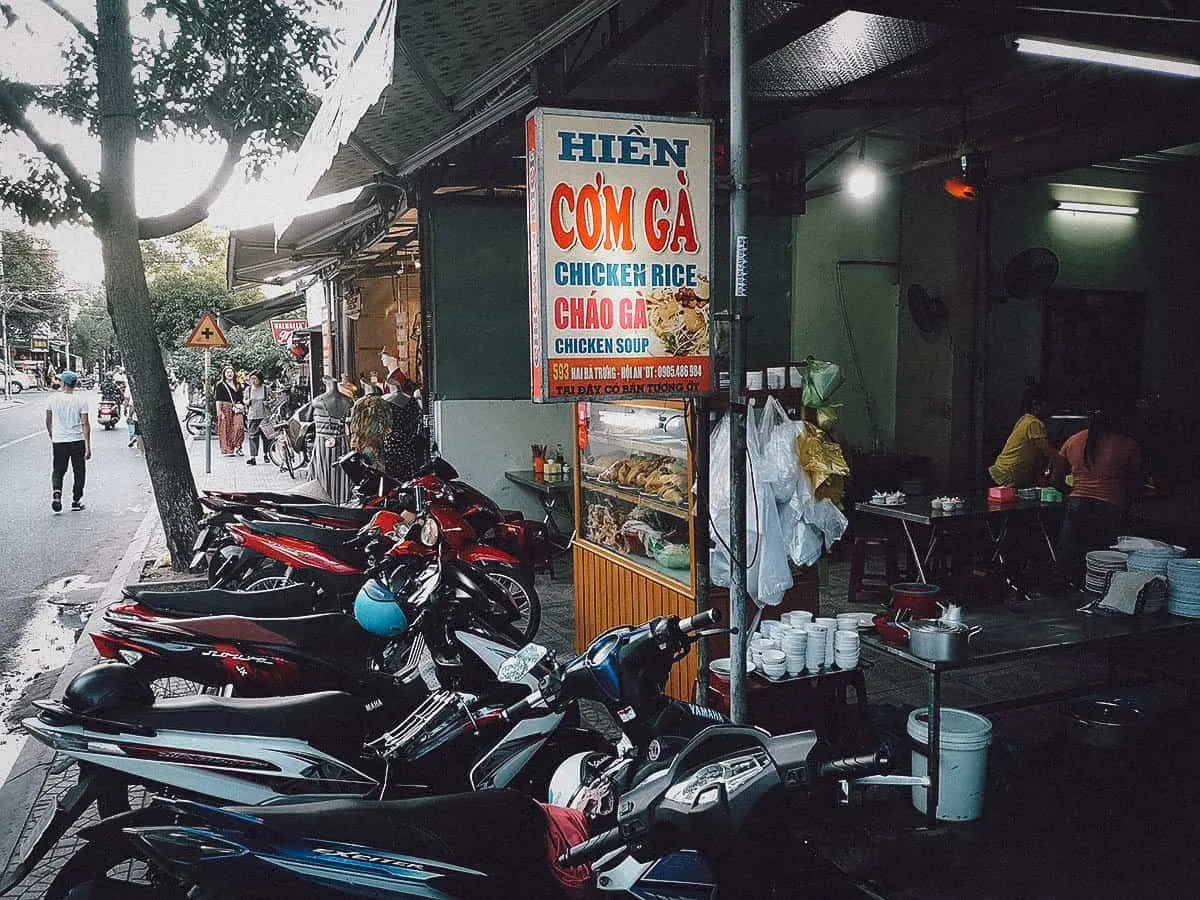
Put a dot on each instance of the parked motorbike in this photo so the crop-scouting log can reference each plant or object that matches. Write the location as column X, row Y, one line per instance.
column 269, row 554
column 506, row 529
column 108, row 414
column 283, row 749
column 725, row 800
column 423, row 605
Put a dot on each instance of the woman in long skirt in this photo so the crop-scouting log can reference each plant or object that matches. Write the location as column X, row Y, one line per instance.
column 230, row 429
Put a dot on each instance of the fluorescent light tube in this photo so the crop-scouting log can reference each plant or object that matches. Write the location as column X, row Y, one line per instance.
column 1089, row 53
column 1108, row 209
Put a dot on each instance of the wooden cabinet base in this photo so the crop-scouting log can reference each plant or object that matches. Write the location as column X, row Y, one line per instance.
column 608, row 594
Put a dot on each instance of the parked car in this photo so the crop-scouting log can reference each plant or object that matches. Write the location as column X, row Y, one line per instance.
column 17, row 380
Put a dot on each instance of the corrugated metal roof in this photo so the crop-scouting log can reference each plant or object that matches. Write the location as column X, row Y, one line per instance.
column 454, row 42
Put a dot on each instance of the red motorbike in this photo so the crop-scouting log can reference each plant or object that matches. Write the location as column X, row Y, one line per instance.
column 424, row 618
column 274, row 557
column 108, row 414
column 506, row 529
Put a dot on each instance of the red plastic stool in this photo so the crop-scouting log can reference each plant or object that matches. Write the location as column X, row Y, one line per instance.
column 859, row 579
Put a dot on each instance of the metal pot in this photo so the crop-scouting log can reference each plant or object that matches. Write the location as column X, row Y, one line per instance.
column 1105, row 724
column 939, row 641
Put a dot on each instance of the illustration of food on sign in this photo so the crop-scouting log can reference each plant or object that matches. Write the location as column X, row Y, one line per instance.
column 679, row 319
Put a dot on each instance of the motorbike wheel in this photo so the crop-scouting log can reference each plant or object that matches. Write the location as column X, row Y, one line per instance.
column 103, row 870
column 523, row 595
column 194, row 425
column 108, row 426
column 269, row 583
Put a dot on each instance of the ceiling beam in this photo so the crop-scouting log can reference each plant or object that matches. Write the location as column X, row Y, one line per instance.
column 531, row 51
column 623, row 40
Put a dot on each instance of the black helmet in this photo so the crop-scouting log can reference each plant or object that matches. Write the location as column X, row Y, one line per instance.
column 107, row 686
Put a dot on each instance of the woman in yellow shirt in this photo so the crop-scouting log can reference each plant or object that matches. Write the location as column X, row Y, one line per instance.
column 1027, row 450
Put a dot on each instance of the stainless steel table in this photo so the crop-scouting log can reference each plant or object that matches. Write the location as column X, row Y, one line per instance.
column 996, row 518
column 555, row 497
column 1044, row 626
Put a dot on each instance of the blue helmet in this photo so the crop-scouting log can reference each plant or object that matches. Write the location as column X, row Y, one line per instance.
column 376, row 610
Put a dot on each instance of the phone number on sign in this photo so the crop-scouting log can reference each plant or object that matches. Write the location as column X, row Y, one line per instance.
column 678, row 371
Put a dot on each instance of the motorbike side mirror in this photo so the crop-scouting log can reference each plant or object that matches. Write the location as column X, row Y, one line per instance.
column 514, row 669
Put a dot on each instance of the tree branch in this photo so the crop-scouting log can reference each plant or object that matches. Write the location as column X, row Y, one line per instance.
column 197, row 210
column 12, row 113
column 86, row 33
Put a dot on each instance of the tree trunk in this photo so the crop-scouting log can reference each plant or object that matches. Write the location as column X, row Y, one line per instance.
column 128, row 297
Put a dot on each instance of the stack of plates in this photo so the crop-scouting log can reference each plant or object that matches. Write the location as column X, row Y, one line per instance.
column 1153, row 561
column 1100, row 567
column 1183, row 577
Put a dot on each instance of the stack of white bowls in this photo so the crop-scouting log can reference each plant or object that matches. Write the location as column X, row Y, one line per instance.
column 759, row 643
column 794, row 643
column 774, row 664
column 831, row 624
column 770, row 627
column 818, row 636
column 797, row 618
column 846, row 649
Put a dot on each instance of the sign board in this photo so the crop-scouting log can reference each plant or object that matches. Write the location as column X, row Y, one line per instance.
column 620, row 255
column 39, row 345
column 207, row 334
column 281, row 329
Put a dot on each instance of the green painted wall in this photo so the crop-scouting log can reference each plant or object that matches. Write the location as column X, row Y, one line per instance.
column 834, row 229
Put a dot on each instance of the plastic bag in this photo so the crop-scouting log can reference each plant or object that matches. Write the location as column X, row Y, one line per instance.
column 821, row 379
column 777, row 439
column 768, row 575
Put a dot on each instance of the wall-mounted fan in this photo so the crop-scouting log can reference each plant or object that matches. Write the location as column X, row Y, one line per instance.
column 927, row 311
column 1030, row 273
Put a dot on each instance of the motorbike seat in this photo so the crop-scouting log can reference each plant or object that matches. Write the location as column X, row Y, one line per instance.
column 325, row 634
column 331, row 720
column 260, row 497
column 350, row 514
column 450, row 828
column 321, row 535
column 295, row 599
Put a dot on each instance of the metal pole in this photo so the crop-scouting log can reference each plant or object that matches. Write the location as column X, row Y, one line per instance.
column 739, row 251
column 207, row 413
column 7, row 365
column 4, row 314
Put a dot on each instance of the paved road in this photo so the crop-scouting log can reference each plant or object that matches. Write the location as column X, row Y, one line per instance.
column 52, row 562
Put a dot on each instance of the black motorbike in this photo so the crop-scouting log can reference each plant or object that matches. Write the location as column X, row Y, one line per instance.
column 730, row 799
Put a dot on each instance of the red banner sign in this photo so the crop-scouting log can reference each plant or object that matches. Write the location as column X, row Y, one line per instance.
column 281, row 329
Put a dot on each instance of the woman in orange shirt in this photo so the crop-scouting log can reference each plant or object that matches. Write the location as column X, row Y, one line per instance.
column 1106, row 469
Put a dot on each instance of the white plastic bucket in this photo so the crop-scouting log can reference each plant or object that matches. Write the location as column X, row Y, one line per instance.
column 965, row 737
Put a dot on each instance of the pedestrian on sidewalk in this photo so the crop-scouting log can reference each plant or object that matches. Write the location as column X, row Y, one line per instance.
column 71, row 437
column 254, row 398
column 229, row 413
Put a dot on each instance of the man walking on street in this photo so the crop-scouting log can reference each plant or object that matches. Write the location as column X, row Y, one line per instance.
column 71, row 436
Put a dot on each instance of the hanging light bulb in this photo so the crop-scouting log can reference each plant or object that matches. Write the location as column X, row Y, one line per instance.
column 862, row 180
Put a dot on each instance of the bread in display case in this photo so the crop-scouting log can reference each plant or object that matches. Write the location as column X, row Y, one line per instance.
column 635, row 478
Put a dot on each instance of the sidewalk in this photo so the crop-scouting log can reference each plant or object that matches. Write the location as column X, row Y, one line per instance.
column 27, row 798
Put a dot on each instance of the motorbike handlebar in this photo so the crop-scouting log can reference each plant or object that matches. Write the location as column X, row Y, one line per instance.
column 700, row 620
column 519, row 709
column 856, row 766
column 593, row 848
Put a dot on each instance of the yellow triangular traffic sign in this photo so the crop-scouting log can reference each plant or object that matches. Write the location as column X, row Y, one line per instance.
column 207, row 334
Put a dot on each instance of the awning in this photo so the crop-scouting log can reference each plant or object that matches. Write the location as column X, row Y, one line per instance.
column 256, row 313
column 456, row 68
column 310, row 243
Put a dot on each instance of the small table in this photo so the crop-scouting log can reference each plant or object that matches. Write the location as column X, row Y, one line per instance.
column 1043, row 627
column 555, row 496
column 918, row 510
